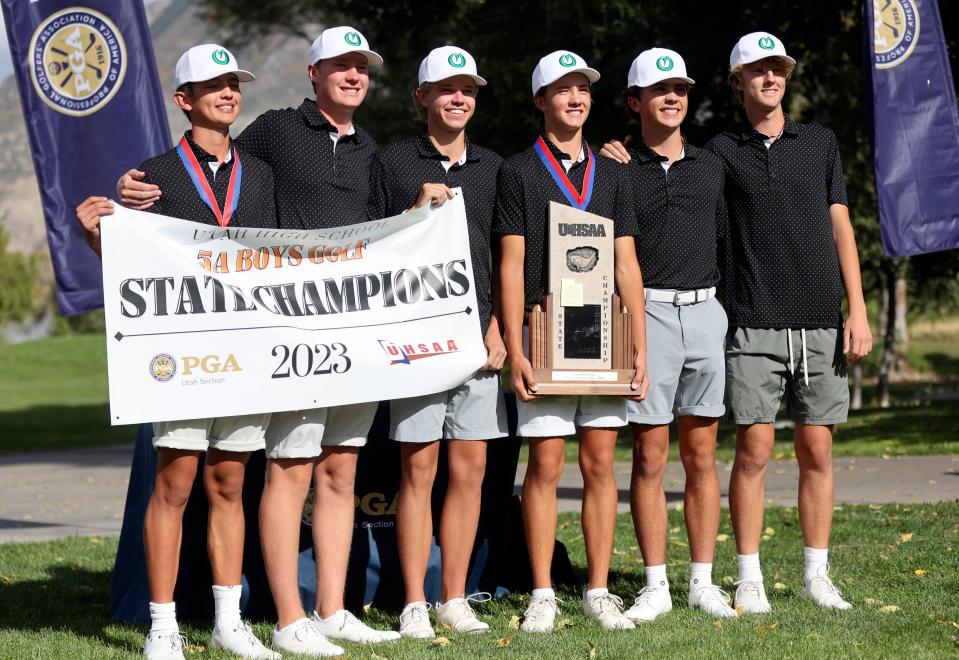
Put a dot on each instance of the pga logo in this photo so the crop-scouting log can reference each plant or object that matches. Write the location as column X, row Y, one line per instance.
column 209, row 364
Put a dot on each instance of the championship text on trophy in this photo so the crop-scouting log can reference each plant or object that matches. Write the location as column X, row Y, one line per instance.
column 581, row 343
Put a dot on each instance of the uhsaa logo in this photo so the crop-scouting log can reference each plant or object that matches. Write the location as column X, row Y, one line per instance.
column 403, row 353
column 210, row 364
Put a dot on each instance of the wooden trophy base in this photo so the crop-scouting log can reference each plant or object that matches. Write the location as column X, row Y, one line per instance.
column 557, row 380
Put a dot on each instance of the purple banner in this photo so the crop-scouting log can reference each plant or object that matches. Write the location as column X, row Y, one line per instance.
column 915, row 126
column 92, row 104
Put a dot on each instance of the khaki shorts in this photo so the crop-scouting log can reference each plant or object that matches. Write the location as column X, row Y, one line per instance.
column 304, row 433
column 240, row 433
column 758, row 374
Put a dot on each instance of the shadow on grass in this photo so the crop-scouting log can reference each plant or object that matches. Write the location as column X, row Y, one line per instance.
column 45, row 428
column 68, row 598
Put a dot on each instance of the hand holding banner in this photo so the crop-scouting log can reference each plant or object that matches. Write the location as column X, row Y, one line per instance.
column 205, row 321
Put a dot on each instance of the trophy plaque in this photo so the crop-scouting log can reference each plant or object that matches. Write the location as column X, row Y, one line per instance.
column 580, row 337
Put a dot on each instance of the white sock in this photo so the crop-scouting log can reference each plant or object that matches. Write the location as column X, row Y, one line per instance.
column 327, row 619
column 816, row 563
column 592, row 593
column 543, row 593
column 656, row 576
column 700, row 575
column 226, row 606
column 749, row 570
column 163, row 617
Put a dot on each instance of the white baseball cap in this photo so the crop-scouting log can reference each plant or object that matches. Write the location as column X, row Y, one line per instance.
column 446, row 62
column 757, row 46
column 206, row 62
column 654, row 65
column 339, row 40
column 556, row 65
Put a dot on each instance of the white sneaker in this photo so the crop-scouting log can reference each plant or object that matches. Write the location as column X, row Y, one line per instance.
column 164, row 645
column 415, row 621
column 608, row 610
column 541, row 614
column 343, row 625
column 241, row 641
column 304, row 637
column 712, row 600
column 650, row 603
column 458, row 615
column 751, row 597
column 824, row 593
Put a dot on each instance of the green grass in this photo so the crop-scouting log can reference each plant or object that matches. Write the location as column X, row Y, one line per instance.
column 53, row 395
column 53, row 599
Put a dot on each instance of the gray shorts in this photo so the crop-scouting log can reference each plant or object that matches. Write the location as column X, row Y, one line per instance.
column 239, row 433
column 758, row 373
column 473, row 411
column 685, row 362
column 304, row 433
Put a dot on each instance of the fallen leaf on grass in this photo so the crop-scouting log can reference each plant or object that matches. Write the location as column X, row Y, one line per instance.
column 920, row 571
column 564, row 525
column 366, row 608
column 770, row 531
column 767, row 627
column 514, row 622
column 376, row 656
column 195, row 648
column 779, row 585
column 722, row 537
column 717, row 624
column 870, row 601
column 740, row 610
column 949, row 623
column 681, row 544
column 592, row 650
column 440, row 641
column 674, row 530
column 889, row 608
column 502, row 642
column 905, row 538
column 564, row 623
column 728, row 579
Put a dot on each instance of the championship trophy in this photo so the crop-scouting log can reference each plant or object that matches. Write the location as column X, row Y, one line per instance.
column 580, row 338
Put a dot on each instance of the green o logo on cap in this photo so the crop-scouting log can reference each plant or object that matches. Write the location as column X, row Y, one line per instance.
column 567, row 60
column 221, row 57
column 664, row 63
column 457, row 60
column 767, row 43
column 352, row 38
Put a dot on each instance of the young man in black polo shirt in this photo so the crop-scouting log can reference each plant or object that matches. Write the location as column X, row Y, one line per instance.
column 408, row 174
column 206, row 179
column 527, row 183
column 791, row 250
column 320, row 159
column 678, row 190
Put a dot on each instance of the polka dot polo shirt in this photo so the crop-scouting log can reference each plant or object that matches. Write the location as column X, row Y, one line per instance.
column 781, row 268
column 680, row 214
column 398, row 173
column 320, row 183
column 525, row 189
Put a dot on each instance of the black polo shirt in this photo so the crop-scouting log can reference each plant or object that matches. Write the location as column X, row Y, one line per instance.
column 181, row 199
column 680, row 215
column 781, row 268
column 317, row 186
column 398, row 173
column 524, row 190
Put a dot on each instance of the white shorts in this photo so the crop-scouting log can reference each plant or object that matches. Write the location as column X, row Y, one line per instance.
column 557, row 416
column 240, row 433
column 304, row 433
column 473, row 411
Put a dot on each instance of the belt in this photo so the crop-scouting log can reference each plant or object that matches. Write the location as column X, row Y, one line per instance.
column 680, row 297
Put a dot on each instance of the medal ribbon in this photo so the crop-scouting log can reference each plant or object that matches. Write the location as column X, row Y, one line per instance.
column 195, row 171
column 576, row 199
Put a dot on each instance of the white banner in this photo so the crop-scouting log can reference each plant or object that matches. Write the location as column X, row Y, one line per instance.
column 208, row 322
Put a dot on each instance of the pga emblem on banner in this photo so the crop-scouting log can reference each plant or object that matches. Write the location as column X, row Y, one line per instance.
column 205, row 321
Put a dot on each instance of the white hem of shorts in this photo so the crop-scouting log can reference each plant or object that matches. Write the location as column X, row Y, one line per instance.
column 473, row 436
column 343, row 442
column 649, row 420
column 168, row 442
